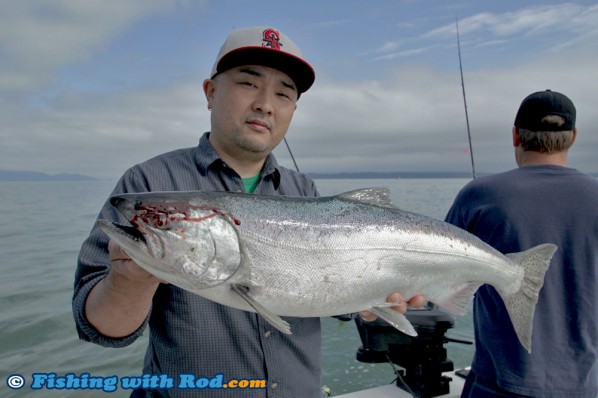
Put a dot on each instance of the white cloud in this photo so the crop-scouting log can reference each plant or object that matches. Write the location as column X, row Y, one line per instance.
column 409, row 120
column 102, row 134
column 415, row 121
column 536, row 20
column 37, row 37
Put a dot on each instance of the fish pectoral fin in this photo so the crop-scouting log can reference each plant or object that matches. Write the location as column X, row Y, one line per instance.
column 396, row 319
column 272, row 318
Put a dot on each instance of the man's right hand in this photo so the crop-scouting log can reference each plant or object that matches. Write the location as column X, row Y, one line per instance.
column 119, row 304
column 125, row 267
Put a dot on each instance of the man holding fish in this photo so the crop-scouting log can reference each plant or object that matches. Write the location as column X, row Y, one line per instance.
column 252, row 94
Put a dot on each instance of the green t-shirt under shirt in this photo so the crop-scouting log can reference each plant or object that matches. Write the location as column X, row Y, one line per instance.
column 250, row 183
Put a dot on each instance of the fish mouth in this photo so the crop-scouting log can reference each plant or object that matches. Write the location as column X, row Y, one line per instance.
column 122, row 231
column 125, row 206
column 134, row 241
column 129, row 238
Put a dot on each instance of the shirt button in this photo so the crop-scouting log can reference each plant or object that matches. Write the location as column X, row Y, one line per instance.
column 267, row 333
column 273, row 385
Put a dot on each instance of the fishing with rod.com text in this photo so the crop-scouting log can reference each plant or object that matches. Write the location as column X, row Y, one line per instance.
column 85, row 381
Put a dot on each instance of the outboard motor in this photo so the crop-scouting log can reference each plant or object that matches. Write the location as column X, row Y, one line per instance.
column 423, row 358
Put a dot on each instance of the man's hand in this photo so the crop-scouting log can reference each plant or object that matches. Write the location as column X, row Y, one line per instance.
column 124, row 266
column 400, row 305
column 118, row 305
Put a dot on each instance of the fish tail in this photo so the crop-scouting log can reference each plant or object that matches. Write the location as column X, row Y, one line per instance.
column 522, row 304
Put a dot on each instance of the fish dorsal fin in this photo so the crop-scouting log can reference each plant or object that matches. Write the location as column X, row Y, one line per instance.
column 373, row 196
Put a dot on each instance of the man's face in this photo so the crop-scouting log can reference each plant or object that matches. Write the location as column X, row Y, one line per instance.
column 252, row 107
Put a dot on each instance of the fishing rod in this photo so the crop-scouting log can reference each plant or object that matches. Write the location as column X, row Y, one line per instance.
column 464, row 103
column 291, row 153
column 465, row 100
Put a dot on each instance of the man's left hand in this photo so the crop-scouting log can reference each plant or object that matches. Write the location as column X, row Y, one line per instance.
column 400, row 305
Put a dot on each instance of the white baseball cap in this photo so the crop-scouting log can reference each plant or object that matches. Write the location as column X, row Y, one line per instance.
column 267, row 46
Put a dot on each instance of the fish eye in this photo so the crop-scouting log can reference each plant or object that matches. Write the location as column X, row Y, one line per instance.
column 161, row 222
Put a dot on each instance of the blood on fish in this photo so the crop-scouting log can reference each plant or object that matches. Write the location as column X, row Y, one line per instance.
column 150, row 213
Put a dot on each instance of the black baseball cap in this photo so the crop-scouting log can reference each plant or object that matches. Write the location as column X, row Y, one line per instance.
column 535, row 107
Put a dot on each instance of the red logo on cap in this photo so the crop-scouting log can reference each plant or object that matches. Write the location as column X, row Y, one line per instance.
column 272, row 39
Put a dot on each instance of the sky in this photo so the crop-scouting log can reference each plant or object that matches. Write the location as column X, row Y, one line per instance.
column 96, row 86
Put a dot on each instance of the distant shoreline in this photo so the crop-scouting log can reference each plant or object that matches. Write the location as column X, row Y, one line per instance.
column 7, row 175
column 19, row 175
column 375, row 175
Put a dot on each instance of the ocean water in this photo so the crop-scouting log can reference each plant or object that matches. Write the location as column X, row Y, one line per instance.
column 42, row 226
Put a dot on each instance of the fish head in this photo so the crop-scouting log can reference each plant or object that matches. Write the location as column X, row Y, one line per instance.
column 193, row 246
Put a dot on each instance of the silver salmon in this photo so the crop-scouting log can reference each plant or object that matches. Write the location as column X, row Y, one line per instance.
column 314, row 257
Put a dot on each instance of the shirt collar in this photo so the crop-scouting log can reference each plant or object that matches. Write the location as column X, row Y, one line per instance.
column 207, row 157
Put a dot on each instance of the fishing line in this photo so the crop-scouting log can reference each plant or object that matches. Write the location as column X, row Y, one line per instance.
column 291, row 153
column 464, row 99
column 399, row 380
